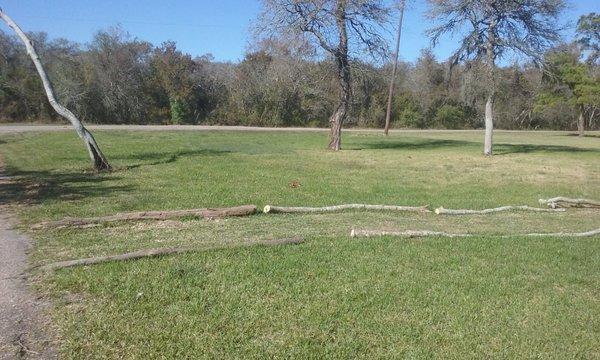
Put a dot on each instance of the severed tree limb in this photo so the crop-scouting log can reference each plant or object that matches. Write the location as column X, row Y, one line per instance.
column 405, row 233
column 561, row 234
column 160, row 252
column 283, row 209
column 423, row 233
column 563, row 202
column 442, row 211
column 149, row 215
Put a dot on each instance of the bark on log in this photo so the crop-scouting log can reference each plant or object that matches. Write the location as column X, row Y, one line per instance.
column 561, row 234
column 149, row 215
column 98, row 159
column 284, row 209
column 442, row 211
column 160, row 252
column 423, row 233
column 405, row 233
column 563, row 202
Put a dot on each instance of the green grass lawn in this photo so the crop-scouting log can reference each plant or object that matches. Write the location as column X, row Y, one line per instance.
column 332, row 296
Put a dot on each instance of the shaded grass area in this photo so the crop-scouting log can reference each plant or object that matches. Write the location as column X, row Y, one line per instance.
column 332, row 296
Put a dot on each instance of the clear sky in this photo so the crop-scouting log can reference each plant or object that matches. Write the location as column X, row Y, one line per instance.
column 219, row 27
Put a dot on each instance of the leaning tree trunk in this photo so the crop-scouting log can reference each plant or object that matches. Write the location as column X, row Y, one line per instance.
column 98, row 159
column 344, row 77
column 581, row 122
column 388, row 113
column 489, row 104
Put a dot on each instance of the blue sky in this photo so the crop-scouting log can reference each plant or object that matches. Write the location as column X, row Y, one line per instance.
column 219, row 27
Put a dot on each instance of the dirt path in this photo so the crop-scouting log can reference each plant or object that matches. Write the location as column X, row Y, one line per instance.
column 23, row 333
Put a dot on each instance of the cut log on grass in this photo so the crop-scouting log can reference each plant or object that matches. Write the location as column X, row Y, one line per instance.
column 423, row 233
column 442, row 211
column 563, row 202
column 405, row 233
column 162, row 252
column 301, row 209
column 244, row 210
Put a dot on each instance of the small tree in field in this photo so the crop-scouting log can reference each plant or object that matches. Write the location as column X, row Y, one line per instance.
column 333, row 25
column 96, row 155
column 571, row 82
column 493, row 28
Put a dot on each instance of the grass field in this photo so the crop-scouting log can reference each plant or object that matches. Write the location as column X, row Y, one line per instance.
column 332, row 296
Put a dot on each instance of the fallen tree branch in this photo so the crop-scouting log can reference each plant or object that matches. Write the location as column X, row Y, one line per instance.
column 301, row 209
column 406, row 233
column 561, row 234
column 160, row 252
column 150, row 215
column 424, row 233
column 563, row 202
column 442, row 211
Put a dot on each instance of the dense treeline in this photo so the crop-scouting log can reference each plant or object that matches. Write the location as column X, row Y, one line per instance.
column 122, row 80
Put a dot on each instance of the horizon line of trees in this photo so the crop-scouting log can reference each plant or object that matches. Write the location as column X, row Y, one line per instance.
column 119, row 79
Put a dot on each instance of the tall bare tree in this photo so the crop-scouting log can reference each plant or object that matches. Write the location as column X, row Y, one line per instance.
column 98, row 159
column 388, row 113
column 333, row 25
column 493, row 29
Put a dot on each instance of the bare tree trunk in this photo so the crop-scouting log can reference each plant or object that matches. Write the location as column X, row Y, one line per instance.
column 489, row 125
column 489, row 104
column 388, row 113
column 98, row 159
column 581, row 122
column 344, row 77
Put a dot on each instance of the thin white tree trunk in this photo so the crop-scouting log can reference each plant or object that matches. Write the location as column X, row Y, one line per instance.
column 489, row 104
column 96, row 155
column 388, row 113
column 489, row 126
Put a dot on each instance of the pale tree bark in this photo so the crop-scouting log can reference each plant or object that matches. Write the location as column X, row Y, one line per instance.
column 489, row 104
column 98, row 159
column 325, row 209
column 344, row 77
column 581, row 122
column 388, row 113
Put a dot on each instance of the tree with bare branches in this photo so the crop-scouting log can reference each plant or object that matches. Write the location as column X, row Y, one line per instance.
column 332, row 25
column 492, row 29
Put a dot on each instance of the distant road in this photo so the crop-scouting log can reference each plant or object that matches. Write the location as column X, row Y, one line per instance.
column 17, row 128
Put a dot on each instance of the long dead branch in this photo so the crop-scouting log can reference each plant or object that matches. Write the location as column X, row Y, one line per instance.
column 150, row 215
column 161, row 252
column 442, row 211
column 423, row 233
column 563, row 202
column 405, row 233
column 302, row 209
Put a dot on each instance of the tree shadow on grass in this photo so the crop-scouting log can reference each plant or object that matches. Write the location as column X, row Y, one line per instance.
column 412, row 144
column 585, row 135
column 499, row 149
column 159, row 158
column 506, row 149
column 34, row 187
